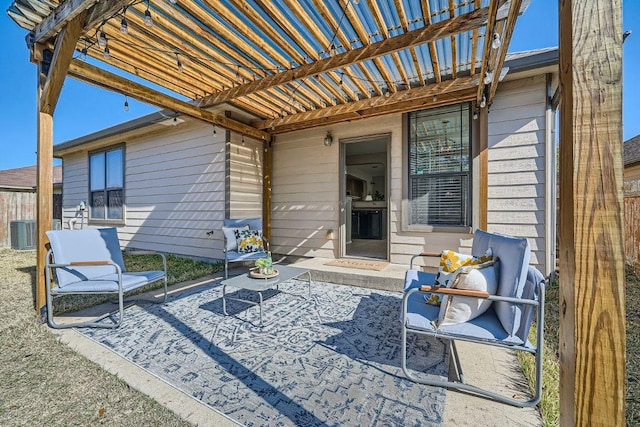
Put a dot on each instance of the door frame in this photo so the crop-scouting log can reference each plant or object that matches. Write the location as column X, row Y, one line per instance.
column 342, row 173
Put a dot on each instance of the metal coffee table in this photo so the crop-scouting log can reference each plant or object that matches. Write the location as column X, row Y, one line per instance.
column 260, row 285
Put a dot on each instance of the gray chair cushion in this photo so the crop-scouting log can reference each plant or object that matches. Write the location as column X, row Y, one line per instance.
column 109, row 283
column 85, row 245
column 235, row 256
column 514, row 254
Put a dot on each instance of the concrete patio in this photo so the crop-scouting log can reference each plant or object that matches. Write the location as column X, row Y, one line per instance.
column 490, row 367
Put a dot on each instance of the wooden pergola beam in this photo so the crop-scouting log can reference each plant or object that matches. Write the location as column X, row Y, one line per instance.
column 68, row 10
column 62, row 55
column 407, row 100
column 592, row 280
column 493, row 9
column 96, row 76
column 510, row 24
column 432, row 32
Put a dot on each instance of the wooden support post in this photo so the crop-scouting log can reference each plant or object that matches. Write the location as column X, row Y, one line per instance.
column 483, row 118
column 267, row 169
column 44, row 214
column 592, row 287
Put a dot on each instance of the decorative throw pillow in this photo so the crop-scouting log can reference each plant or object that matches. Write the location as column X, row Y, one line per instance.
column 460, row 309
column 432, row 299
column 450, row 261
column 250, row 241
column 231, row 235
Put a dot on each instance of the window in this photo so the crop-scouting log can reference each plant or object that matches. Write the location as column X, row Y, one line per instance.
column 439, row 166
column 106, row 184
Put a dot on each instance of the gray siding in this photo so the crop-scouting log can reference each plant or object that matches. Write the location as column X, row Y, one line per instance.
column 516, row 203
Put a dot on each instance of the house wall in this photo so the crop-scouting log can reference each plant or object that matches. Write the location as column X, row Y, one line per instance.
column 306, row 199
column 306, row 193
column 175, row 189
column 632, row 213
column 516, row 204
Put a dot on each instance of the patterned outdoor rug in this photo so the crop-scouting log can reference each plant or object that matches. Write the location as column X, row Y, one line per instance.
column 333, row 359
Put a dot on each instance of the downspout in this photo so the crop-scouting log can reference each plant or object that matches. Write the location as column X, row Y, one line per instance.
column 550, row 177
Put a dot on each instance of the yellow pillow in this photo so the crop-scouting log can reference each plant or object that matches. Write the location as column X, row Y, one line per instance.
column 450, row 261
column 250, row 241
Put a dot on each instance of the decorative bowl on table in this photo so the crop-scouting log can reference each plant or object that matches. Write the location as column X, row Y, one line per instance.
column 263, row 273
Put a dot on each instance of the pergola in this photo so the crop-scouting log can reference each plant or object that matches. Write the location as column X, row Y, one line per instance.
column 298, row 64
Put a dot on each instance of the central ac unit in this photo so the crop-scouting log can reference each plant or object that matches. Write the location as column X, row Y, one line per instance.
column 23, row 234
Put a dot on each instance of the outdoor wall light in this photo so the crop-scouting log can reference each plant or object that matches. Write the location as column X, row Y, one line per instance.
column 328, row 140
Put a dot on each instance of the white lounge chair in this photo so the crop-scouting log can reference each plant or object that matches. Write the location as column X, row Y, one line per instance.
column 90, row 261
column 506, row 323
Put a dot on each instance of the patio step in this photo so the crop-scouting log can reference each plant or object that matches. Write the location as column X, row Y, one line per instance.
column 391, row 278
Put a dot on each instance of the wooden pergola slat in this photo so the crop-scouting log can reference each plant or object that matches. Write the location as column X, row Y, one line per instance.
column 107, row 80
column 421, row 97
column 460, row 23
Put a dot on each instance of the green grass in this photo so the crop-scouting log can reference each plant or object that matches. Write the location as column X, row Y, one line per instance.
column 549, row 405
column 44, row 382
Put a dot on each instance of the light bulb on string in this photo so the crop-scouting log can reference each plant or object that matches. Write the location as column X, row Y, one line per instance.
column 483, row 103
column 496, row 42
column 126, row 104
column 124, row 26
column 214, row 129
column 148, row 20
column 173, row 1
column 243, row 140
column 355, row 2
column 106, row 53
column 488, row 77
column 102, row 40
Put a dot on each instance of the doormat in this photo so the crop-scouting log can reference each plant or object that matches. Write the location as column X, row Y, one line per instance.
column 362, row 264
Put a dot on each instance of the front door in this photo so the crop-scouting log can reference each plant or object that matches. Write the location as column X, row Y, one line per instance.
column 364, row 197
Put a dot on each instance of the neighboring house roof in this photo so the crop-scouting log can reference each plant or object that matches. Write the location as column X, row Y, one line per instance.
column 632, row 151
column 514, row 62
column 26, row 178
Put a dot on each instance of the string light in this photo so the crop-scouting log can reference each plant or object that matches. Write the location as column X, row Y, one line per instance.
column 496, row 42
column 148, row 20
column 124, row 27
column 214, row 129
column 102, row 40
column 243, row 140
column 173, row 1
column 355, row 2
column 488, row 77
column 483, row 103
column 106, row 53
column 126, row 104
column 179, row 63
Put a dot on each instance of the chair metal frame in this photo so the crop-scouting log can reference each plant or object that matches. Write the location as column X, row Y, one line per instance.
column 52, row 292
column 460, row 384
column 248, row 257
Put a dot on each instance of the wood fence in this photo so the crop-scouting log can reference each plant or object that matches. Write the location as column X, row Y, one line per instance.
column 19, row 205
